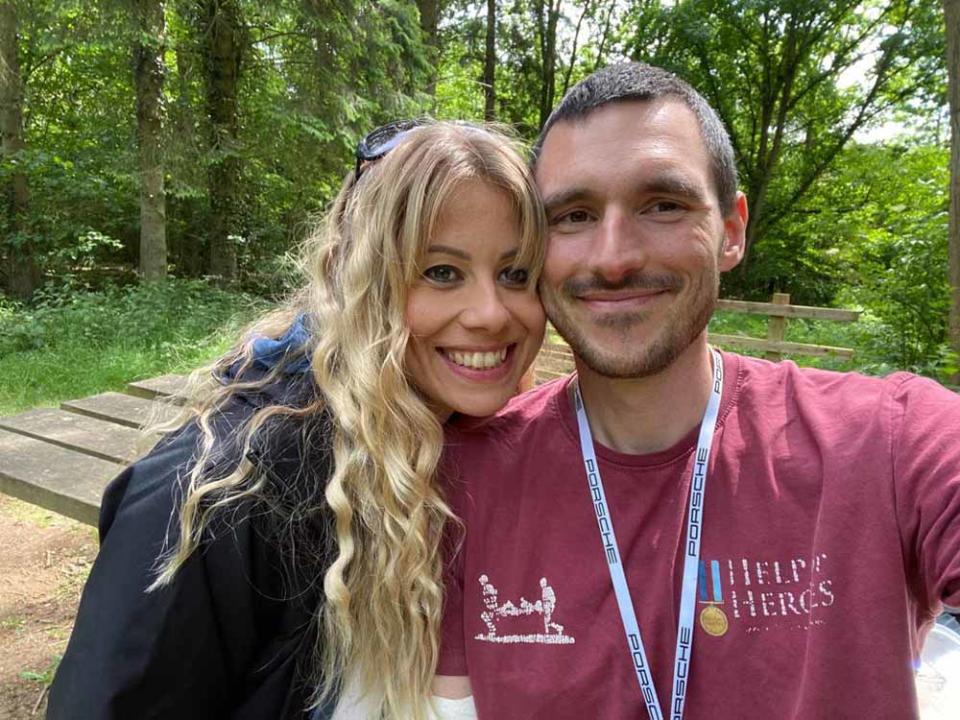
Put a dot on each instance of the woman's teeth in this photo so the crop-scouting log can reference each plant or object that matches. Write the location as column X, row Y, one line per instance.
column 478, row 360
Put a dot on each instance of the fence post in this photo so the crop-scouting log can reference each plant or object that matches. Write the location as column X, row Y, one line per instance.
column 776, row 326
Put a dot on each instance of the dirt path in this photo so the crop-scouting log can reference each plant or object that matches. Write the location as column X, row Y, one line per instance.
column 44, row 560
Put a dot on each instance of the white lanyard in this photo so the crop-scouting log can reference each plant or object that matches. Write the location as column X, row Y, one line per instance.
column 698, row 485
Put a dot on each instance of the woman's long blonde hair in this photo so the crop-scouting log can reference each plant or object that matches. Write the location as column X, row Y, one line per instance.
column 380, row 621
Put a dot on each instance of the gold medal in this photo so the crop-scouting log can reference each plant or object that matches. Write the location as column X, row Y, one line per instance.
column 714, row 621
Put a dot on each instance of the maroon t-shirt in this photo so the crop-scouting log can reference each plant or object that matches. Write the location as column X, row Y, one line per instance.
column 831, row 538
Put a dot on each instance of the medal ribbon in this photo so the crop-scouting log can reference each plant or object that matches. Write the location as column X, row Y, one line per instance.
column 691, row 562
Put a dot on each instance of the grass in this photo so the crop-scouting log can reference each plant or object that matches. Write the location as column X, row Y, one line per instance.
column 14, row 622
column 43, row 677
column 72, row 344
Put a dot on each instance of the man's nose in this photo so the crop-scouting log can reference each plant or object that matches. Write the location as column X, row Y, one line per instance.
column 485, row 309
column 619, row 249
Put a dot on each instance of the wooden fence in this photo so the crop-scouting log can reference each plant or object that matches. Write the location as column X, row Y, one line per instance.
column 779, row 310
column 556, row 359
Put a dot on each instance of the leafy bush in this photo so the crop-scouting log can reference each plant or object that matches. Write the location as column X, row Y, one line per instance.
column 70, row 342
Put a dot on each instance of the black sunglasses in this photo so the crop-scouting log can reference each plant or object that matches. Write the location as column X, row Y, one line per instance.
column 379, row 142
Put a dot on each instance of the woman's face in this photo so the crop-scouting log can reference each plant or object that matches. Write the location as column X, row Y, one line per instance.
column 475, row 322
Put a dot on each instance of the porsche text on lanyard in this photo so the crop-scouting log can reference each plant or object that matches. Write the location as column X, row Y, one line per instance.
column 698, row 485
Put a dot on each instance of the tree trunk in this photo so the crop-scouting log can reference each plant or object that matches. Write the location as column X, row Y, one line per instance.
column 547, row 25
column 951, row 12
column 222, row 51
column 150, row 71
column 604, row 35
column 573, row 50
column 429, row 23
column 23, row 273
column 490, row 64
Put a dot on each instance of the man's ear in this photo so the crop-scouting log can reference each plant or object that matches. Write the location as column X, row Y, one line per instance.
column 734, row 234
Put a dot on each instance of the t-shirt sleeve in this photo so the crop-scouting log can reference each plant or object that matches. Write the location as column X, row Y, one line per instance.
column 174, row 652
column 925, row 443
column 453, row 659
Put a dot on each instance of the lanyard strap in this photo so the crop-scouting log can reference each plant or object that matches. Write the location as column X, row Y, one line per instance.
column 698, row 486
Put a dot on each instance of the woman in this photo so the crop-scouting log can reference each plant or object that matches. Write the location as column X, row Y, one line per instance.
column 313, row 457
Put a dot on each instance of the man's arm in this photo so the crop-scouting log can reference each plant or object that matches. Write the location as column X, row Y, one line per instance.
column 454, row 687
column 925, row 447
column 452, row 698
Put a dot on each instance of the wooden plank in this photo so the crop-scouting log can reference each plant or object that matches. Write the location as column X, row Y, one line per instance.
column 780, row 347
column 121, row 409
column 85, row 434
column 554, row 370
column 557, row 354
column 61, row 480
column 547, row 376
column 777, row 326
column 554, row 355
column 790, row 311
column 172, row 387
column 555, row 361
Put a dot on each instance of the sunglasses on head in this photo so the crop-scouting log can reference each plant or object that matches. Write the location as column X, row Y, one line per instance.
column 379, row 142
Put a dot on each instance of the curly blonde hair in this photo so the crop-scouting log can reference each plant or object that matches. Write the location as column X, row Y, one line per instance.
column 380, row 621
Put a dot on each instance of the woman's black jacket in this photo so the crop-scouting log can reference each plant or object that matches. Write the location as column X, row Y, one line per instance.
column 233, row 636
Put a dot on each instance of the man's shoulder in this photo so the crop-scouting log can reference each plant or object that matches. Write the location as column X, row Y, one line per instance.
column 761, row 379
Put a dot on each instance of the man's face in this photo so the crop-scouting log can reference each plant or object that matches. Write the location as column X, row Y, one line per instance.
column 637, row 239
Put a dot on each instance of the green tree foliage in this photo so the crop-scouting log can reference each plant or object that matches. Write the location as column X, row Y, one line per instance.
column 542, row 47
column 79, row 127
column 835, row 220
column 794, row 81
column 876, row 228
column 315, row 76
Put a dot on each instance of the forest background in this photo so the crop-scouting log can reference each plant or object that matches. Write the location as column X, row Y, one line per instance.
column 162, row 158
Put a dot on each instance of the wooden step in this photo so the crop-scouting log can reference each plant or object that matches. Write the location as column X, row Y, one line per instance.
column 61, row 480
column 172, row 387
column 85, row 434
column 122, row 409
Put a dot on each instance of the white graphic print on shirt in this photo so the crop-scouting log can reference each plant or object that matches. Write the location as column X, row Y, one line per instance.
column 754, row 595
column 495, row 611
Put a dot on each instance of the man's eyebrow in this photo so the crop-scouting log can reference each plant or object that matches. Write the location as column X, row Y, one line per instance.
column 564, row 197
column 667, row 183
column 670, row 183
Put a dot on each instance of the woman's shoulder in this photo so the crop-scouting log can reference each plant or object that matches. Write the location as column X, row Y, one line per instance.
column 290, row 449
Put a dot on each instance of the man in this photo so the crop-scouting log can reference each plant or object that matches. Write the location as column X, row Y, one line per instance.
column 725, row 537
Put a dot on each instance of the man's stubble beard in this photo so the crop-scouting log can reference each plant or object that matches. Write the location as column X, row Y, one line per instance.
column 686, row 319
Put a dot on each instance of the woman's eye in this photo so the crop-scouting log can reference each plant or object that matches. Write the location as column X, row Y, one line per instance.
column 443, row 274
column 515, row 277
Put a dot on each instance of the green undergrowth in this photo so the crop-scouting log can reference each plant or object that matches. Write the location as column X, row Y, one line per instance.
column 69, row 343
column 877, row 350
column 812, row 332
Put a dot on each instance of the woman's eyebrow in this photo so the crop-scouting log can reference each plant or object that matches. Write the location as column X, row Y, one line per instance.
column 457, row 252
column 447, row 250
